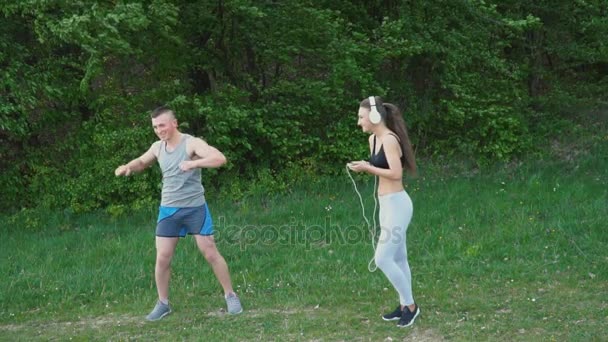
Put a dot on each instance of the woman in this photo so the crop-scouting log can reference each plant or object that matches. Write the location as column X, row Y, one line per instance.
column 391, row 153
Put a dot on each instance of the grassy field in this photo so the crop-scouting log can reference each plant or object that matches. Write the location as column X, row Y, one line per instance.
column 511, row 253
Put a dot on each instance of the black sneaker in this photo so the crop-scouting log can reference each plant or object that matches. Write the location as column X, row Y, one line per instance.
column 408, row 317
column 393, row 316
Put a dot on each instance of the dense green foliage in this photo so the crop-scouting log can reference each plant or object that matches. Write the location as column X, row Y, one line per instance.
column 275, row 84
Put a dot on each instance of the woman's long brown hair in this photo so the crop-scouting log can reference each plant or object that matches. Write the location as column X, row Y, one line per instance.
column 394, row 121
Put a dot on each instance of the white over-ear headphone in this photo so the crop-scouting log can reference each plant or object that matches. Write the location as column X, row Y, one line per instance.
column 374, row 115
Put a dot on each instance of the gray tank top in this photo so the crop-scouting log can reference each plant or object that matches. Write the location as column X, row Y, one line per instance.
column 180, row 189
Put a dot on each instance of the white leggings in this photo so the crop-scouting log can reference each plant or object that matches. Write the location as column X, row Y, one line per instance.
column 396, row 212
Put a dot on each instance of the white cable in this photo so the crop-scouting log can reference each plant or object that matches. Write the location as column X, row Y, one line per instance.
column 371, row 266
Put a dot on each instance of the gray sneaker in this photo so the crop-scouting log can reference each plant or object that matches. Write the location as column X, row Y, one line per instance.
column 234, row 304
column 160, row 310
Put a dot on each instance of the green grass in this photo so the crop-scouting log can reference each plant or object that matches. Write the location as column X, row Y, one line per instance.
column 517, row 252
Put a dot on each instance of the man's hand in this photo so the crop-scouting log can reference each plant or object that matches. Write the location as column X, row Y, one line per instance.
column 122, row 170
column 187, row 165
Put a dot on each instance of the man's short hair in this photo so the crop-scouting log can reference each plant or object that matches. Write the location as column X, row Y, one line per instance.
column 162, row 110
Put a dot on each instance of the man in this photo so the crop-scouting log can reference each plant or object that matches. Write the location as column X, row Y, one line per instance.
column 183, row 209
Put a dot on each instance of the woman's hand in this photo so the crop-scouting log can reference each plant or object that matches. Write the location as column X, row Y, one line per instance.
column 359, row 166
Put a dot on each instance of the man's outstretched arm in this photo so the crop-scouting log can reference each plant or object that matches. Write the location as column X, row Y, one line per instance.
column 138, row 164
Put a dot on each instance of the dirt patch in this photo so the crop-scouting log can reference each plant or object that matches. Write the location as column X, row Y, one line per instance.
column 88, row 323
column 422, row 335
column 416, row 334
column 106, row 322
column 257, row 313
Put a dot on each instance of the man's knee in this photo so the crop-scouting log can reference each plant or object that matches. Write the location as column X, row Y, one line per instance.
column 208, row 248
column 212, row 255
column 163, row 258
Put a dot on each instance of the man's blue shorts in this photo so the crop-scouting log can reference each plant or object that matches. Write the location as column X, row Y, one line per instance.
column 177, row 222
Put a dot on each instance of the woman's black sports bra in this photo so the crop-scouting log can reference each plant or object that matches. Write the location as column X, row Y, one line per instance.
column 379, row 159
